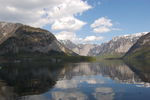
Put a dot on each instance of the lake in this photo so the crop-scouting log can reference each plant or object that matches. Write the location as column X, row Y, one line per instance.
column 107, row 80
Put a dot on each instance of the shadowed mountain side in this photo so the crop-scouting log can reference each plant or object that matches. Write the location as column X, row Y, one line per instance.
column 21, row 39
column 140, row 50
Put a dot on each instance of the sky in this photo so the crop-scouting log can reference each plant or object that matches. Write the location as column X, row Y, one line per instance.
column 81, row 21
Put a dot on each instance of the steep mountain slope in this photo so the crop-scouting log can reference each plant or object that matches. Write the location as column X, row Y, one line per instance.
column 140, row 50
column 81, row 49
column 22, row 39
column 86, row 48
column 118, row 45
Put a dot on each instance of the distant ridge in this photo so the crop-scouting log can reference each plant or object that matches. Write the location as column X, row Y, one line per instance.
column 118, row 45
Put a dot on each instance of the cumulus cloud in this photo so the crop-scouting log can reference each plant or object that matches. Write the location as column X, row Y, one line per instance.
column 92, row 38
column 67, row 23
column 65, row 35
column 41, row 12
column 102, row 25
column 102, row 22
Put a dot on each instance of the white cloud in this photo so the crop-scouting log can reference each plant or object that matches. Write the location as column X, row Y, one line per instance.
column 92, row 38
column 67, row 23
column 11, row 9
column 101, row 29
column 64, row 35
column 63, row 15
column 102, row 25
column 69, row 7
column 41, row 12
column 102, row 22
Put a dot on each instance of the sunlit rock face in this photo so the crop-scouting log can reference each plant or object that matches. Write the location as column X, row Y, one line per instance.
column 81, row 49
column 118, row 45
column 19, row 38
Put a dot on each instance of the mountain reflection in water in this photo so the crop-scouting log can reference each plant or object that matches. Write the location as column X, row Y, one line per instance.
column 111, row 80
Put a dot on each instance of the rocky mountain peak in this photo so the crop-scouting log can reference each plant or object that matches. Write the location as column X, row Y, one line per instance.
column 19, row 38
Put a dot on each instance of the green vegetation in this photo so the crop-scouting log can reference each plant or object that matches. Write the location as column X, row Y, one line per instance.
column 110, row 59
column 140, row 52
column 53, row 57
column 76, row 58
column 108, row 56
column 29, row 29
column 140, row 55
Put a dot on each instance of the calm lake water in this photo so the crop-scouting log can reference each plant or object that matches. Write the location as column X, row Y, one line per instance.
column 109, row 80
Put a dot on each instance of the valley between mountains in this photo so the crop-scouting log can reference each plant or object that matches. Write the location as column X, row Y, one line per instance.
column 19, row 39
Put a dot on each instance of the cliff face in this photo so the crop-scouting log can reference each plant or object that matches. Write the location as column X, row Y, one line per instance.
column 141, row 49
column 81, row 49
column 118, row 45
column 18, row 38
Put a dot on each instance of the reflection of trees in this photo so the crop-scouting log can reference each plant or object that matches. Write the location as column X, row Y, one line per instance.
column 27, row 78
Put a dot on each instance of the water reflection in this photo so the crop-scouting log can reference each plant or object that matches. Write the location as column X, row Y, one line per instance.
column 75, row 81
column 68, row 95
column 120, row 73
column 141, row 69
column 104, row 93
column 21, row 79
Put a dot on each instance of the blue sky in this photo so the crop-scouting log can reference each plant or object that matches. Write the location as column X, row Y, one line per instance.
column 130, row 16
column 86, row 21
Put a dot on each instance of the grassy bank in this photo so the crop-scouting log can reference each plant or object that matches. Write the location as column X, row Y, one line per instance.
column 108, row 57
column 140, row 55
column 51, row 58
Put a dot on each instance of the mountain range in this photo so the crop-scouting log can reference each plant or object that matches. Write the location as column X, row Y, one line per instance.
column 118, row 45
column 81, row 49
column 18, row 39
